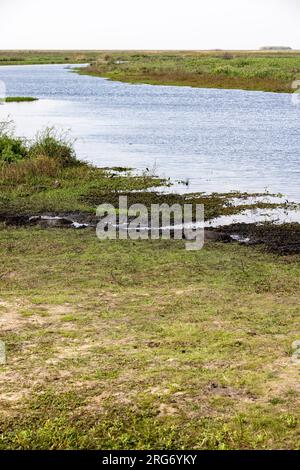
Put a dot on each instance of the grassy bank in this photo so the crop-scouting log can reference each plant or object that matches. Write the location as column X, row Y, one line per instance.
column 125, row 345
column 238, row 70
column 44, row 176
column 249, row 70
column 46, row 57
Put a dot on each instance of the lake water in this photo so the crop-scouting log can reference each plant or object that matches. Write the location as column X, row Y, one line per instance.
column 216, row 140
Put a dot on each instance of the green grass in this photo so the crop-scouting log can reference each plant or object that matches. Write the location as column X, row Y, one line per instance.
column 126, row 345
column 19, row 99
column 46, row 57
column 40, row 186
column 250, row 70
column 45, row 176
column 264, row 71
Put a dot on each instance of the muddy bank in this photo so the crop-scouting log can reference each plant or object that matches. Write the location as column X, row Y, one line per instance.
column 82, row 221
column 50, row 220
column 281, row 239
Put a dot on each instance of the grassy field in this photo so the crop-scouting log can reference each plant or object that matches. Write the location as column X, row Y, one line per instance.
column 126, row 345
column 249, row 70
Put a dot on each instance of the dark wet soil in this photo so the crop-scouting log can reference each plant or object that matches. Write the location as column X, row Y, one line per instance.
column 281, row 239
column 62, row 219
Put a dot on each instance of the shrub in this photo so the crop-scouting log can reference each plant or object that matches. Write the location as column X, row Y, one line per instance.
column 48, row 144
column 52, row 144
column 12, row 149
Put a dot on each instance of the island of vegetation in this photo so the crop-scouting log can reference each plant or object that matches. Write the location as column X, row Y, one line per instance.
column 264, row 70
column 19, row 99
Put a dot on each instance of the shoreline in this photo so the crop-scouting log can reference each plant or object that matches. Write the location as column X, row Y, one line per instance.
column 281, row 239
column 240, row 70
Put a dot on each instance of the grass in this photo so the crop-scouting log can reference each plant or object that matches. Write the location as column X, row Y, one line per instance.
column 46, row 57
column 41, row 185
column 142, row 345
column 265, row 71
column 136, row 344
column 44, row 176
column 48, row 143
column 19, row 99
column 250, row 70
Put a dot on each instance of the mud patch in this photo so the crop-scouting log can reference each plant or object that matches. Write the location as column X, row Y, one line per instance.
column 281, row 239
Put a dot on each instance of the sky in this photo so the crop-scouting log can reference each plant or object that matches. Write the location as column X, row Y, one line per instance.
column 152, row 24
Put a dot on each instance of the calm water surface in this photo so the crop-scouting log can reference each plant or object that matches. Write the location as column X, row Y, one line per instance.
column 217, row 140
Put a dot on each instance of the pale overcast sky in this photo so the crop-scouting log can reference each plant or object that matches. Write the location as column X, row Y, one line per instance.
column 152, row 24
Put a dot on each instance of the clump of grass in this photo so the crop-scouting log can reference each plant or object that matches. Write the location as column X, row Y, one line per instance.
column 48, row 144
column 53, row 144
column 12, row 149
column 26, row 170
column 19, row 99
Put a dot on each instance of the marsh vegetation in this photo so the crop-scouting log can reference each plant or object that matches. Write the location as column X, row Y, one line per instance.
column 19, row 99
column 249, row 70
column 241, row 70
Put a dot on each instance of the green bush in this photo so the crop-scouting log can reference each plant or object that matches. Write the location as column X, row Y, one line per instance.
column 12, row 149
column 49, row 144
column 52, row 144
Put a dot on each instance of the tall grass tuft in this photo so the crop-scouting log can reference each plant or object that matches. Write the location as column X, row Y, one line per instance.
column 55, row 145
column 12, row 149
column 22, row 162
column 26, row 170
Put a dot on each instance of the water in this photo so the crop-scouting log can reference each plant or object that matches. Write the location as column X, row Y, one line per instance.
column 216, row 140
